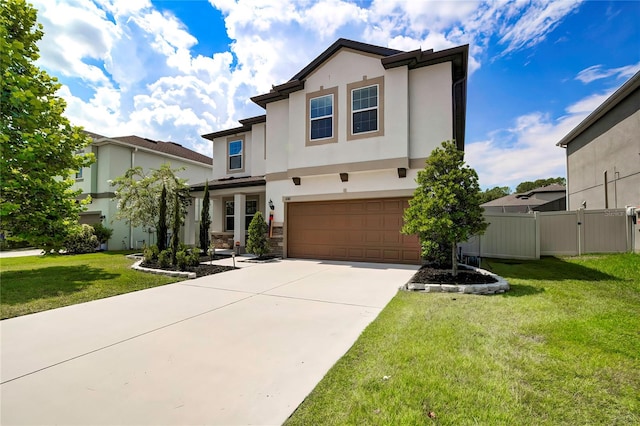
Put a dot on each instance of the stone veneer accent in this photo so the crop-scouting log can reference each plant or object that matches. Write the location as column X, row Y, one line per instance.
column 277, row 240
column 494, row 288
column 222, row 240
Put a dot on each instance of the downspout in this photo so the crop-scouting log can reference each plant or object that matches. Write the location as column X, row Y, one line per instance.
column 455, row 110
column 606, row 190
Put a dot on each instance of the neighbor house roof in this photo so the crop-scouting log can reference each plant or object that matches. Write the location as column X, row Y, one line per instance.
column 170, row 148
column 618, row 96
column 527, row 198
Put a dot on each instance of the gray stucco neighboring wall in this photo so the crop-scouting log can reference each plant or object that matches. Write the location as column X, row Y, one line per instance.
column 611, row 144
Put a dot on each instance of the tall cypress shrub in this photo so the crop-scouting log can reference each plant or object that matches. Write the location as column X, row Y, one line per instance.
column 205, row 220
column 162, row 220
column 175, row 230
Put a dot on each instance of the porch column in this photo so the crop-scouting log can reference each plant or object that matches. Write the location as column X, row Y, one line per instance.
column 239, row 212
column 190, row 221
column 217, row 214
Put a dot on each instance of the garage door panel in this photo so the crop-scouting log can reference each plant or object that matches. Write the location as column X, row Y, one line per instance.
column 357, row 230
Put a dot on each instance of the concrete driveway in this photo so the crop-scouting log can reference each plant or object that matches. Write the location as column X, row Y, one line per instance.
column 241, row 347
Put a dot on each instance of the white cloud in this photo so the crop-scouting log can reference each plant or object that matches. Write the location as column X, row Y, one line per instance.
column 539, row 19
column 137, row 64
column 527, row 151
column 597, row 72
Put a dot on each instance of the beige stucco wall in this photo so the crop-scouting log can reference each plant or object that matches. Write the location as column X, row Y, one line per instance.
column 430, row 108
column 614, row 149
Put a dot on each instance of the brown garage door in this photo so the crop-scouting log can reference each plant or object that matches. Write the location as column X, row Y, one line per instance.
column 355, row 230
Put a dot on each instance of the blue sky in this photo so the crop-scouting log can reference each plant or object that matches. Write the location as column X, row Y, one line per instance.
column 173, row 70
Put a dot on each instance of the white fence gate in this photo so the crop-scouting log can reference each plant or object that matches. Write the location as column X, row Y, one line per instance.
column 527, row 236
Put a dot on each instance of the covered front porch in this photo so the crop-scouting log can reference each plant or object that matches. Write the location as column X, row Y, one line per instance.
column 234, row 202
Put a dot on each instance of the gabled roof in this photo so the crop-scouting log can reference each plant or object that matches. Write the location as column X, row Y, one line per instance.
column 390, row 58
column 246, row 127
column 170, row 148
column 618, row 96
column 527, row 198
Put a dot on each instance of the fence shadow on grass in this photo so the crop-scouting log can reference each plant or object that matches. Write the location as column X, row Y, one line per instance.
column 545, row 269
column 28, row 285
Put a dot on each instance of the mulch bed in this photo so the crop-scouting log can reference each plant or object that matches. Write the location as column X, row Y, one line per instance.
column 429, row 275
column 200, row 270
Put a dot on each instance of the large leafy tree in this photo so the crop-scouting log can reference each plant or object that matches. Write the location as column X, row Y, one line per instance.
column 38, row 144
column 138, row 194
column 445, row 208
column 494, row 193
column 205, row 220
column 529, row 185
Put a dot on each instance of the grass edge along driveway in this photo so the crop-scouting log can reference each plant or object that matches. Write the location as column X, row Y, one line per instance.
column 39, row 283
column 562, row 347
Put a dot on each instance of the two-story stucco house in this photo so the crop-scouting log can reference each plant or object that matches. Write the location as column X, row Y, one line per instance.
column 114, row 156
column 338, row 150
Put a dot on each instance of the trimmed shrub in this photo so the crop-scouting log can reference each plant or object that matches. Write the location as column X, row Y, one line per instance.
column 194, row 257
column 151, row 254
column 181, row 260
column 257, row 242
column 81, row 240
column 164, row 258
column 102, row 232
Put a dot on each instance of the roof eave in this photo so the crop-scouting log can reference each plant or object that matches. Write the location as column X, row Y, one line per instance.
column 618, row 96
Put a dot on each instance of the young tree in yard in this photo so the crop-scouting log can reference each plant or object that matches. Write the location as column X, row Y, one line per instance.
column 162, row 220
column 205, row 220
column 38, row 145
column 138, row 195
column 257, row 242
column 445, row 207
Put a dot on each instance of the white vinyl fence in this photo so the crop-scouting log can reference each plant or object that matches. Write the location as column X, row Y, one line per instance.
column 528, row 236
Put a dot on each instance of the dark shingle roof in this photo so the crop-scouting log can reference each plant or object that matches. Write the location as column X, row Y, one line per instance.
column 170, row 148
column 526, row 198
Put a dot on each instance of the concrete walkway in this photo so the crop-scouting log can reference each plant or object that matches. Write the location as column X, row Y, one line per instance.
column 20, row 253
column 241, row 347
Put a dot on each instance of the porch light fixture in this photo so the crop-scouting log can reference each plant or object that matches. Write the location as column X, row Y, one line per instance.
column 271, row 206
column 402, row 172
column 296, row 180
column 344, row 177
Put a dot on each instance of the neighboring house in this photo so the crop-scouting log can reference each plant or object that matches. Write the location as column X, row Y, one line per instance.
column 544, row 199
column 338, row 151
column 114, row 156
column 603, row 153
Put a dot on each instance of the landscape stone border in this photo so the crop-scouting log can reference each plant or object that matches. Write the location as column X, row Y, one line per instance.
column 178, row 274
column 484, row 289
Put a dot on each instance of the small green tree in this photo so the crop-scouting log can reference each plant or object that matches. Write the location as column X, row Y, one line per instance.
column 38, row 144
column 445, row 207
column 139, row 196
column 257, row 242
column 162, row 220
column 205, row 220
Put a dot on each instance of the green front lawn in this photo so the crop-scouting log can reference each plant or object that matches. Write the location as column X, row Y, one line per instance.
column 38, row 283
column 562, row 347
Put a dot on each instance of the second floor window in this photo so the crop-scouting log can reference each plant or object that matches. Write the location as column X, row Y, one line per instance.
column 235, row 155
column 321, row 116
column 364, row 109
